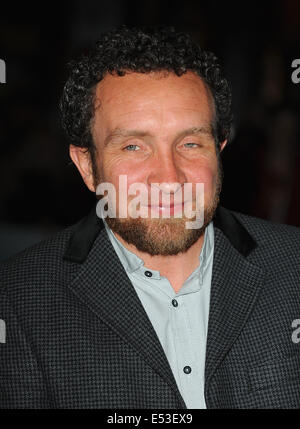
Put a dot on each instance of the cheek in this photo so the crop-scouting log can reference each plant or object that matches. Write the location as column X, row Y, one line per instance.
column 207, row 175
column 114, row 167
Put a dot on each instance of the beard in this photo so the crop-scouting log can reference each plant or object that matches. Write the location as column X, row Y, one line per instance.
column 165, row 237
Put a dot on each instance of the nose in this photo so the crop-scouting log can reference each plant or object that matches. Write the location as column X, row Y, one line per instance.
column 167, row 173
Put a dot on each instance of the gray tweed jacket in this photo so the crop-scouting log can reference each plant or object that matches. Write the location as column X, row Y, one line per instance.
column 77, row 335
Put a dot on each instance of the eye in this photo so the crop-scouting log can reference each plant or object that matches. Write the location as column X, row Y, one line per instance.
column 132, row 148
column 191, row 145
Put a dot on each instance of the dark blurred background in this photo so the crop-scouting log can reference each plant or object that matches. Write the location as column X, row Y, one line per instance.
column 42, row 192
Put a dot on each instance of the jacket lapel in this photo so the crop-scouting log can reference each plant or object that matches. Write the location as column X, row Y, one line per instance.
column 102, row 285
column 235, row 286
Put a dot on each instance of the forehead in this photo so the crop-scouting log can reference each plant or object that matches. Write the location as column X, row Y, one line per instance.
column 155, row 94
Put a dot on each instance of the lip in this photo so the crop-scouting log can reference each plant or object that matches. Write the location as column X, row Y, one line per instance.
column 180, row 204
column 160, row 206
column 170, row 208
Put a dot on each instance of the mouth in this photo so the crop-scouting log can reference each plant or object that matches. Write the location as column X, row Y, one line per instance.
column 172, row 208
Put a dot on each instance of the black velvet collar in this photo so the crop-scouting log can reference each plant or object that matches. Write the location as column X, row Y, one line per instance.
column 234, row 231
column 88, row 228
column 83, row 237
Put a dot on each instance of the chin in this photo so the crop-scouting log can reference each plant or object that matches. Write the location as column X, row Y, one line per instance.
column 163, row 237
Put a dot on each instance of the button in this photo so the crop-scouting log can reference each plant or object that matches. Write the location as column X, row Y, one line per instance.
column 148, row 273
column 175, row 303
column 187, row 369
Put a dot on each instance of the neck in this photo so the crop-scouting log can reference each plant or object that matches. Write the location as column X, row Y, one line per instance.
column 176, row 268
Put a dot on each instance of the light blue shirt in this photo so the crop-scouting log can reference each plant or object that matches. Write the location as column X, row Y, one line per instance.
column 180, row 319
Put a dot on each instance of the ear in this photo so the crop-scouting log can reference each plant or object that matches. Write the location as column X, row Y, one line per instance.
column 222, row 145
column 82, row 159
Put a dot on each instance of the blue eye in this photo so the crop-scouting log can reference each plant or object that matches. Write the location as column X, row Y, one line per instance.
column 190, row 144
column 131, row 147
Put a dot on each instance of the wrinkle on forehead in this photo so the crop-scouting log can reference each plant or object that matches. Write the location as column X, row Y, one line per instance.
column 118, row 96
column 139, row 81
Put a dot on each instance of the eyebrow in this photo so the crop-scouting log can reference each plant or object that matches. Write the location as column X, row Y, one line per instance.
column 119, row 132
column 207, row 130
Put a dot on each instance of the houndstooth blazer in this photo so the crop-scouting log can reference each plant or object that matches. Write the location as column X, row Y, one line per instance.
column 77, row 335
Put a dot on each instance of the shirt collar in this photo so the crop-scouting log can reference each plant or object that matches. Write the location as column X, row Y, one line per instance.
column 130, row 260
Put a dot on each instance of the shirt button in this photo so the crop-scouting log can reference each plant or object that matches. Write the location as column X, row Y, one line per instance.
column 187, row 369
column 148, row 273
column 175, row 303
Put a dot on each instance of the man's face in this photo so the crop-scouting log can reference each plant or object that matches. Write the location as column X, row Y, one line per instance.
column 157, row 128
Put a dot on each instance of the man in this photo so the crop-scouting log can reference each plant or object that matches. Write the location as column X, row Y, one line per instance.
column 133, row 311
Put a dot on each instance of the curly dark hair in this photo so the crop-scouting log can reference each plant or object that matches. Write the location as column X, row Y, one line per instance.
column 141, row 50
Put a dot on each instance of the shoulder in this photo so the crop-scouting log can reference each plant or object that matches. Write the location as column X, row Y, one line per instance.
column 36, row 262
column 277, row 245
column 42, row 264
column 34, row 283
column 264, row 231
column 52, row 262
